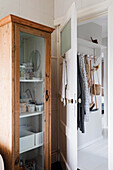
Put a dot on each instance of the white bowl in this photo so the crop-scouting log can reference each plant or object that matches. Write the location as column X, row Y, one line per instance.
column 39, row 108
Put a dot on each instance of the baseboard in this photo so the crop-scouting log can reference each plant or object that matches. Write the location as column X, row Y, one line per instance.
column 89, row 143
column 105, row 132
column 64, row 163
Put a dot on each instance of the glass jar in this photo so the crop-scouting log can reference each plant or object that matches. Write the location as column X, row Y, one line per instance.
column 22, row 72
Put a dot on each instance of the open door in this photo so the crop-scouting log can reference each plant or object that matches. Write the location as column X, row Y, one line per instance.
column 68, row 113
column 110, row 86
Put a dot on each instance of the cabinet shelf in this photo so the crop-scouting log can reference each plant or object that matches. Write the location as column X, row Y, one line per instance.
column 31, row 81
column 30, row 140
column 34, row 147
column 28, row 114
column 90, row 44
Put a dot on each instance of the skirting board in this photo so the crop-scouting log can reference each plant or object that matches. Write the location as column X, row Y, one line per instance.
column 89, row 143
column 64, row 163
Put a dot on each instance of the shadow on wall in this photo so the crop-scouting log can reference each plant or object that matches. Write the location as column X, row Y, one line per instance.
column 6, row 155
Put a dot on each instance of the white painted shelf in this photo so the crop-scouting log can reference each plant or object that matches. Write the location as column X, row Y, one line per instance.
column 30, row 140
column 21, row 66
column 28, row 114
column 34, row 147
column 90, row 44
column 31, row 81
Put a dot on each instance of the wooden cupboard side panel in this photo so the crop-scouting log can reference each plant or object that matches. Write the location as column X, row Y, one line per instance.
column 6, row 118
column 47, row 136
column 54, row 111
column 13, row 89
column 17, row 96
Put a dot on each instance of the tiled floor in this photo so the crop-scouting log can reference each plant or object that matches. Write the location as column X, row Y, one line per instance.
column 94, row 157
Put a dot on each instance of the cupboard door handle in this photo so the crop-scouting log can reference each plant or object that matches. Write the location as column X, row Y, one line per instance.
column 47, row 75
column 17, row 161
column 47, row 95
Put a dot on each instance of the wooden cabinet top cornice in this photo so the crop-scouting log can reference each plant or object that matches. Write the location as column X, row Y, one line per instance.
column 22, row 21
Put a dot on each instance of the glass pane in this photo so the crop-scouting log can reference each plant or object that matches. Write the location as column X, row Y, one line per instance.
column 66, row 38
column 32, row 69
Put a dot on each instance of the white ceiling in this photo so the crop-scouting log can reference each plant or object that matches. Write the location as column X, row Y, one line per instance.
column 102, row 21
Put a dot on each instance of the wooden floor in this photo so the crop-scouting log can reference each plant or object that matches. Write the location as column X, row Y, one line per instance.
column 56, row 166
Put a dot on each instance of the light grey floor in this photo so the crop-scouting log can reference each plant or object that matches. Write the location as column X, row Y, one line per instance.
column 94, row 157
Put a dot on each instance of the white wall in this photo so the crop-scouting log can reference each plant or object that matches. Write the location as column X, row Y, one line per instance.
column 61, row 6
column 41, row 11
column 90, row 30
column 105, row 116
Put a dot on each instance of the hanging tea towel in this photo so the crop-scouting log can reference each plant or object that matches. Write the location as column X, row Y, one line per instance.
column 64, row 82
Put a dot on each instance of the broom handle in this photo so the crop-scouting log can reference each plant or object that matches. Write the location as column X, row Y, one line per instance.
column 95, row 90
column 91, row 84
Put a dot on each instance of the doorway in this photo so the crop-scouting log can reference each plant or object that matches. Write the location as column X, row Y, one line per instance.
column 84, row 16
column 93, row 142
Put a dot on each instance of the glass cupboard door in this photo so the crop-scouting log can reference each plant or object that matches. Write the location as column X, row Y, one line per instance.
column 32, row 84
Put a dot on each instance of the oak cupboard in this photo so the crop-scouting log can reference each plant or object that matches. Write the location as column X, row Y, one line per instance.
column 25, row 94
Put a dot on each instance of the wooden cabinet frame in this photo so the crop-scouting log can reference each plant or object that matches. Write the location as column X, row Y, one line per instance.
column 16, row 25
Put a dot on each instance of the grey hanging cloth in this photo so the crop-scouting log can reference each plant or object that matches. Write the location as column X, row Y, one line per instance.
column 81, row 100
column 85, row 86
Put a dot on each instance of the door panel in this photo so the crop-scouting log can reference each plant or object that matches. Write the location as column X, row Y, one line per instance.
column 66, row 38
column 68, row 114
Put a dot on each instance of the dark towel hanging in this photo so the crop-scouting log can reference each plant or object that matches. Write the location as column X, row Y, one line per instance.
column 80, row 95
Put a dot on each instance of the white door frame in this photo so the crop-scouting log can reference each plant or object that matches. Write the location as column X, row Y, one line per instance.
column 89, row 13
column 94, row 11
column 104, row 8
